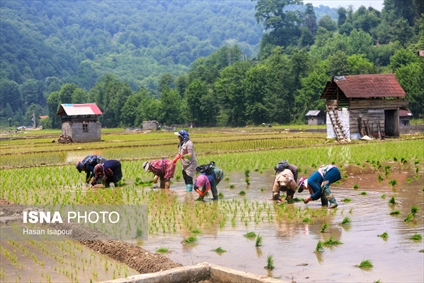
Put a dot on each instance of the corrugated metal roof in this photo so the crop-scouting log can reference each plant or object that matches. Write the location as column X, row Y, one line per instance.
column 78, row 109
column 313, row 113
column 366, row 86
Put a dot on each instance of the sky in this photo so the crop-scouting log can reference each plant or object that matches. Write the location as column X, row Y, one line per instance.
column 376, row 4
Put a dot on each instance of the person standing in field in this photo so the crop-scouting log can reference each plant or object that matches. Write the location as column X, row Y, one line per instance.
column 163, row 169
column 188, row 158
column 285, row 181
column 319, row 183
column 111, row 172
column 87, row 165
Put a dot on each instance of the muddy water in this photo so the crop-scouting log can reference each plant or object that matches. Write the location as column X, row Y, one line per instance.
column 292, row 244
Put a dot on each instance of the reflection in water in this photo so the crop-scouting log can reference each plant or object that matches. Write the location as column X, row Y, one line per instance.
column 293, row 231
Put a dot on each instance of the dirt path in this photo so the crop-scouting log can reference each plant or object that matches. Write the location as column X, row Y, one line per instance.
column 133, row 256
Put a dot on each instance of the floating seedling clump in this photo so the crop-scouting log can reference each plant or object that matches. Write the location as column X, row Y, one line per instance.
column 250, row 235
column 366, row 264
column 384, row 235
column 416, row 237
column 269, row 262
column 219, row 250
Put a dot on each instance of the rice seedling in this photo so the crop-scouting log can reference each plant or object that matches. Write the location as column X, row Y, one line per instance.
column 346, row 221
column 379, row 178
column 356, row 186
column 319, row 247
column 242, row 193
column 384, row 235
column 190, row 240
column 416, row 237
column 409, row 218
column 363, row 193
column 306, row 220
column 250, row 235
column 258, row 241
column 395, row 212
column 219, row 250
column 393, row 182
column 324, row 227
column 383, row 196
column 196, row 231
column 232, row 186
column 414, row 210
column 346, row 200
column 332, row 242
column 366, row 264
column 392, row 201
column 221, row 195
column 269, row 262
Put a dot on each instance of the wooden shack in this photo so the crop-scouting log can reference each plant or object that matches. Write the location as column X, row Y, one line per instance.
column 315, row 117
column 80, row 122
column 404, row 117
column 371, row 103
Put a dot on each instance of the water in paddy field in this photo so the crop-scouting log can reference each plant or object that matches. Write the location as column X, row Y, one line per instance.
column 292, row 243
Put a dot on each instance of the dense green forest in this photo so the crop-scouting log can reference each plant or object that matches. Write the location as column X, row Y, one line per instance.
column 208, row 62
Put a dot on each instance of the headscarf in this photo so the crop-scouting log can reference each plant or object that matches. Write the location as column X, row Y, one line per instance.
column 98, row 169
column 80, row 166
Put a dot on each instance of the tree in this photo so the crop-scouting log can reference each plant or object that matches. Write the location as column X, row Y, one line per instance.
column 282, row 24
column 342, row 12
column 401, row 58
column 230, row 92
column 410, row 78
column 201, row 103
column 338, row 64
column 10, row 94
column 359, row 65
column 310, row 18
column 129, row 110
column 401, row 31
column 53, row 104
column 327, row 23
column 31, row 92
column 170, row 107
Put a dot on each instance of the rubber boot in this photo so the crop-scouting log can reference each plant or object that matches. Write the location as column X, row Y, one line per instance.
column 324, row 201
column 215, row 197
column 330, row 197
column 189, row 187
column 332, row 200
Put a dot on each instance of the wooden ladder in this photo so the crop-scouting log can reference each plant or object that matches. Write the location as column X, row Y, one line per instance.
column 337, row 125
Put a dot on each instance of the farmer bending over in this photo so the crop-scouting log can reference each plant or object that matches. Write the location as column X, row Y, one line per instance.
column 213, row 174
column 319, row 183
column 111, row 172
column 285, row 180
column 163, row 169
column 87, row 165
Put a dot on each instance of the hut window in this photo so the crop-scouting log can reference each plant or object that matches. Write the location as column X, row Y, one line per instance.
column 85, row 128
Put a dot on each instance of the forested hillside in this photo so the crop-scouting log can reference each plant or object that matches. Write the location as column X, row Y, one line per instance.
column 207, row 62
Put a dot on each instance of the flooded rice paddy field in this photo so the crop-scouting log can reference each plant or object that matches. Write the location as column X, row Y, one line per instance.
column 292, row 243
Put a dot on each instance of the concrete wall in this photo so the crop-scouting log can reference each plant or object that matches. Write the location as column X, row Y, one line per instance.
column 76, row 131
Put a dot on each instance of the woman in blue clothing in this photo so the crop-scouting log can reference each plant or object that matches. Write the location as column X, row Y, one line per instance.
column 319, row 183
